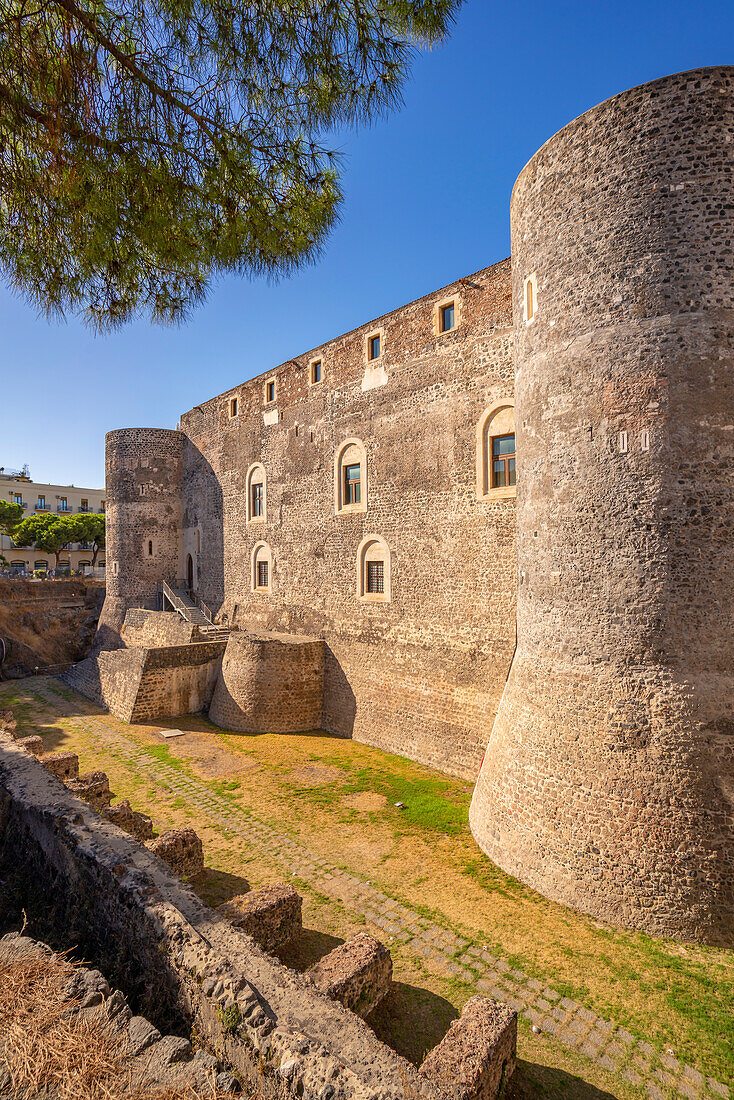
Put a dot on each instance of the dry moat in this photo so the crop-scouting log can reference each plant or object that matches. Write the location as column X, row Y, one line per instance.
column 321, row 813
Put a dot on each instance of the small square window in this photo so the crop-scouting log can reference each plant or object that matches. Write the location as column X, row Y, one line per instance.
column 374, row 348
column 315, row 372
column 447, row 317
column 270, row 391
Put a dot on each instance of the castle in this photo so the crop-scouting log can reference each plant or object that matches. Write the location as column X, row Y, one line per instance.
column 568, row 635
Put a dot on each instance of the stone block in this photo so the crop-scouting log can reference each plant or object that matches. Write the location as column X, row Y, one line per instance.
column 64, row 765
column 271, row 915
column 33, row 744
column 358, row 973
column 94, row 788
column 8, row 723
column 476, row 1057
column 125, row 817
column 182, row 850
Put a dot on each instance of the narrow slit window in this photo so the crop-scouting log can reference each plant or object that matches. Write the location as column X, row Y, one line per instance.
column 375, row 577
column 503, row 461
column 353, row 484
column 531, row 299
column 150, row 549
column 270, row 392
column 447, row 317
column 315, row 372
column 374, row 347
column 262, row 574
column 233, row 407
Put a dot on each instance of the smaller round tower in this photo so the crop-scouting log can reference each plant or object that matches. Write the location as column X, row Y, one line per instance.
column 143, row 468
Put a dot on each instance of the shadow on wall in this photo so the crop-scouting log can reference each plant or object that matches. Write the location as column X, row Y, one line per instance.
column 203, row 513
column 340, row 703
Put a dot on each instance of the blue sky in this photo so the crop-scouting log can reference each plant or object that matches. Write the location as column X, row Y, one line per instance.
column 427, row 201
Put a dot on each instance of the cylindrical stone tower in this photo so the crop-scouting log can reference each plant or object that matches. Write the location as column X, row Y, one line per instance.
column 608, row 782
column 144, row 522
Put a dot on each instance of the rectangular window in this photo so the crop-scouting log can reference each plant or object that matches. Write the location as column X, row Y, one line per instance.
column 373, row 347
column 257, row 499
column 262, row 574
column 233, row 407
column 503, row 461
column 270, row 392
column 315, row 372
column 41, row 502
column 447, row 317
column 17, row 498
column 101, row 506
column 375, row 576
column 63, row 504
column 352, row 484
column 85, row 505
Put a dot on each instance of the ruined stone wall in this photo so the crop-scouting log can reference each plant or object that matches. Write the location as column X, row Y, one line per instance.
column 270, row 683
column 609, row 778
column 140, row 684
column 420, row 675
column 83, row 884
column 157, row 628
column 143, row 476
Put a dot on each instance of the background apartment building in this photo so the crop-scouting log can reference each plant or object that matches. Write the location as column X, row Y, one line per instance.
column 35, row 497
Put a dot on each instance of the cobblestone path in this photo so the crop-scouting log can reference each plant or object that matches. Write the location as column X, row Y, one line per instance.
column 655, row 1072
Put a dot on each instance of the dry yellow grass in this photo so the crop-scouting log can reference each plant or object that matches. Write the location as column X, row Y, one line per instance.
column 50, row 1049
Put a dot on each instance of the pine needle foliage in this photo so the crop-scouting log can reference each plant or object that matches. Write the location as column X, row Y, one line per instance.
column 147, row 146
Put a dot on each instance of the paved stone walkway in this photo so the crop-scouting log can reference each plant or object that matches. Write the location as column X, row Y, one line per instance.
column 658, row 1073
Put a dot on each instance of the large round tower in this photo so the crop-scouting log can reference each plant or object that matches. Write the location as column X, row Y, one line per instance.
column 608, row 783
column 143, row 475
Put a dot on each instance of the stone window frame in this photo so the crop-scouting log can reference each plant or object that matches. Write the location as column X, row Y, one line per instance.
column 233, row 407
column 261, row 552
column 367, row 341
column 532, row 281
column 256, row 467
column 311, row 365
column 273, row 381
column 340, row 508
column 384, row 555
column 483, row 458
column 455, row 301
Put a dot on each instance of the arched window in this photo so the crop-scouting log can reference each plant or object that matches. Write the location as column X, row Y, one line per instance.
column 262, row 568
column 256, row 494
column 350, row 477
column 496, row 452
column 530, row 298
column 373, row 569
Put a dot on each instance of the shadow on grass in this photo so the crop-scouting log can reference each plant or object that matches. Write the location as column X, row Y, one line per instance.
column 215, row 887
column 412, row 1020
column 306, row 949
column 531, row 1081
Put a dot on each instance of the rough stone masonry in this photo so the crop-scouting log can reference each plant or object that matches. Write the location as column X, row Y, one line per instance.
column 363, row 494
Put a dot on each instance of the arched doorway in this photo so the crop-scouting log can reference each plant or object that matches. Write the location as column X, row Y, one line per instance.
column 189, row 572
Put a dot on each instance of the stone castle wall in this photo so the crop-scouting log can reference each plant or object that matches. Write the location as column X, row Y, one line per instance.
column 608, row 783
column 421, row 675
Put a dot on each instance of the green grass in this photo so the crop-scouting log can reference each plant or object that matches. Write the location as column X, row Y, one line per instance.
column 430, row 803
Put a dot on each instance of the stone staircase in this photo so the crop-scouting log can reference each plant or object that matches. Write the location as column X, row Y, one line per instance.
column 196, row 614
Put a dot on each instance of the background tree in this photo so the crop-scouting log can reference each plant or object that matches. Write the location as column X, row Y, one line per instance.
column 90, row 528
column 149, row 145
column 10, row 516
column 49, row 534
